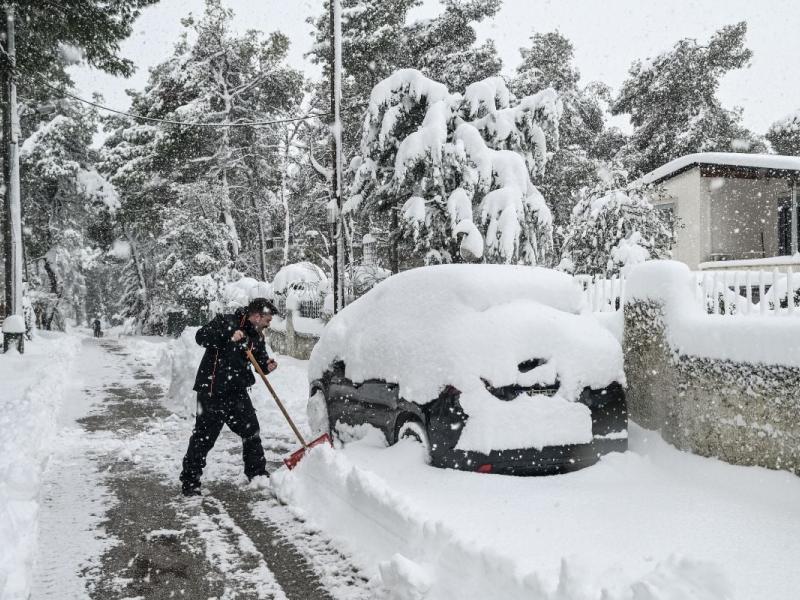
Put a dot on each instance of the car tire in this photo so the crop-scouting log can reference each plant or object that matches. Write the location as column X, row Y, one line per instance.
column 412, row 429
column 317, row 411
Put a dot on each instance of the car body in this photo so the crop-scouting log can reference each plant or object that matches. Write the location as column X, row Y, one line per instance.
column 472, row 356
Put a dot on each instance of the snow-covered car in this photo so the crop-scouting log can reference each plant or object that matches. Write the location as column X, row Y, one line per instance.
column 493, row 368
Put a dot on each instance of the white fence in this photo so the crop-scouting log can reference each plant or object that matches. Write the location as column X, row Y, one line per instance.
column 774, row 292
column 603, row 295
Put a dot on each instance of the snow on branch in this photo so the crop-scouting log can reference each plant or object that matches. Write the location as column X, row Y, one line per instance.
column 444, row 159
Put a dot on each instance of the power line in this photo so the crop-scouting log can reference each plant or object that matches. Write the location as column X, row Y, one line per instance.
column 172, row 121
column 183, row 123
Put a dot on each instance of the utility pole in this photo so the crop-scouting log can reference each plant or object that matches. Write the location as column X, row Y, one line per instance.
column 336, row 130
column 13, row 220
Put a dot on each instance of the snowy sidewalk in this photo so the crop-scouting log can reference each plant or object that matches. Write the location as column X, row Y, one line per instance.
column 113, row 525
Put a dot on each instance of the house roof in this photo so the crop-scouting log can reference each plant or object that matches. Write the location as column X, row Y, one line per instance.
column 773, row 165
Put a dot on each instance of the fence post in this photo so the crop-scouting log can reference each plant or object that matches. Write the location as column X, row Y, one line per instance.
column 789, row 290
column 290, row 335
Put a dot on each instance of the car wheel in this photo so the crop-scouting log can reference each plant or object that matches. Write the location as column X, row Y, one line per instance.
column 317, row 411
column 415, row 431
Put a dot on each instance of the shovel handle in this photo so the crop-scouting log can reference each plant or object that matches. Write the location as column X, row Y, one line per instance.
column 253, row 360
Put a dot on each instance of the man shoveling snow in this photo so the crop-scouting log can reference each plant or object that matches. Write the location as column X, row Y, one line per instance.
column 221, row 384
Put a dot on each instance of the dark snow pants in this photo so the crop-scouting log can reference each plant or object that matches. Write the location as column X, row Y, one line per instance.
column 234, row 409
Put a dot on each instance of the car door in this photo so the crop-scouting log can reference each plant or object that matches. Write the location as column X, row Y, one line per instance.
column 376, row 402
column 371, row 402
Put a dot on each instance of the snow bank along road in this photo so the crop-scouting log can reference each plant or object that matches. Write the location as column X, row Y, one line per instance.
column 111, row 521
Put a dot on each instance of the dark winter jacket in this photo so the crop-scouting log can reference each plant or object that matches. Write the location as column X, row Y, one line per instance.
column 224, row 367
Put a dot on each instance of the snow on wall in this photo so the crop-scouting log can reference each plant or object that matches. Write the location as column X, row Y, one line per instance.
column 714, row 385
column 690, row 331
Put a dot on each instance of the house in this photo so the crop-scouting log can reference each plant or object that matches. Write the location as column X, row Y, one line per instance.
column 731, row 207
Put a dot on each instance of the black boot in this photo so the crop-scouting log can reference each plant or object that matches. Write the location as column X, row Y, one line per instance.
column 190, row 488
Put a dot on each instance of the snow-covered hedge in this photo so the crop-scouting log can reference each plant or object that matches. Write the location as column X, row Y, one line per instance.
column 716, row 385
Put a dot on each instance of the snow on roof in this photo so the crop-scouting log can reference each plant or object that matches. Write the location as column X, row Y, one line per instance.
column 732, row 159
column 462, row 324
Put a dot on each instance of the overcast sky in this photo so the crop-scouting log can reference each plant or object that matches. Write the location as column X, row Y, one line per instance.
column 608, row 36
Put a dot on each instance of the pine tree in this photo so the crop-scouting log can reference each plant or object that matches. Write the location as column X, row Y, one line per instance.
column 457, row 168
column 784, row 135
column 69, row 211
column 582, row 149
column 673, row 105
column 378, row 39
column 221, row 182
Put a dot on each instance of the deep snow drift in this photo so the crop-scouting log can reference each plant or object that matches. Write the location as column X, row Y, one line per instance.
column 650, row 524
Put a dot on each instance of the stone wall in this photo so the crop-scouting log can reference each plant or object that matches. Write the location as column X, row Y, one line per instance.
column 741, row 412
column 290, row 342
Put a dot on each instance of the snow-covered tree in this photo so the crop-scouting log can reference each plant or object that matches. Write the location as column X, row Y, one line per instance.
column 784, row 135
column 69, row 210
column 378, row 37
column 220, row 181
column 613, row 228
column 673, row 105
column 583, row 147
column 454, row 171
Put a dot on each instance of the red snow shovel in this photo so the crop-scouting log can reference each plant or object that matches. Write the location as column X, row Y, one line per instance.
column 297, row 455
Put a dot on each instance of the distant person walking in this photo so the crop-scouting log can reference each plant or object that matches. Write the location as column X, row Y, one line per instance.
column 98, row 332
column 222, row 381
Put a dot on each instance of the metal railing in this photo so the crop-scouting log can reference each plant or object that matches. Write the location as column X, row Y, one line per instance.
column 309, row 305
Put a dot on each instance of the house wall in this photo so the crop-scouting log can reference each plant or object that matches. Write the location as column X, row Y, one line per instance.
column 741, row 209
column 724, row 217
column 692, row 210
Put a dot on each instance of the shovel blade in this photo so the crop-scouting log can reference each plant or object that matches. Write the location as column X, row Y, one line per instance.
column 296, row 456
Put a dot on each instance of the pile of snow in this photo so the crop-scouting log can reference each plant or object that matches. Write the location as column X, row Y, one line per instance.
column 239, row 293
column 14, row 324
column 617, row 531
column 31, row 390
column 691, row 331
column 462, row 325
column 300, row 275
column 178, row 365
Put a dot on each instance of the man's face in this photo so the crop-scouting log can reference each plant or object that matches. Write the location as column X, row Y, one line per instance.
column 261, row 320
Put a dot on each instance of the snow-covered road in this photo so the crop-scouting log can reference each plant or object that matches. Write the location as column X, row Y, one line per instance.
column 355, row 523
column 111, row 522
